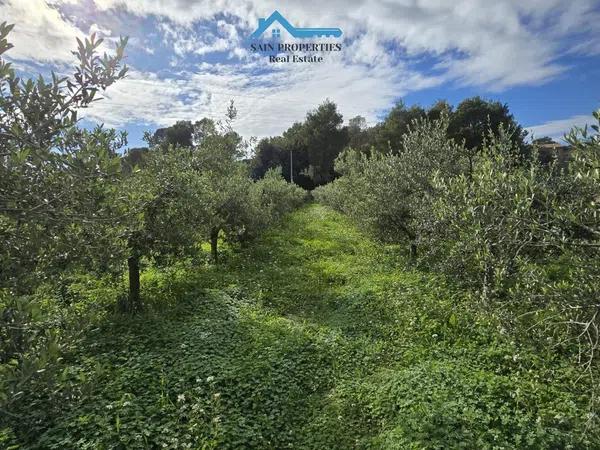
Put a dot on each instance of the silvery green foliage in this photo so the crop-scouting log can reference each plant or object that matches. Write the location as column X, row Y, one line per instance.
column 579, row 213
column 34, row 114
column 527, row 233
column 53, row 175
column 224, row 183
column 386, row 192
column 275, row 196
column 491, row 225
column 483, row 224
column 54, row 183
column 584, row 177
column 160, row 205
column 231, row 205
column 260, row 204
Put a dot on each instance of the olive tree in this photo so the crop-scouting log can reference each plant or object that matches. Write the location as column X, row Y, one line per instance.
column 54, row 183
column 385, row 192
column 481, row 226
column 266, row 202
column 161, row 207
column 51, row 174
column 526, row 233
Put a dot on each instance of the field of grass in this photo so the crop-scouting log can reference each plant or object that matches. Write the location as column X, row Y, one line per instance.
column 313, row 337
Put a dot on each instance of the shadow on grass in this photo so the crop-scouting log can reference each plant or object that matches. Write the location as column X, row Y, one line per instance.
column 268, row 330
column 314, row 337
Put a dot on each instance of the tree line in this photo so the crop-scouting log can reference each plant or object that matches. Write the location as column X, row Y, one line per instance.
column 309, row 148
column 306, row 151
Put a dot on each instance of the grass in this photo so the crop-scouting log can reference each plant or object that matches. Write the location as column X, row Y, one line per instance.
column 314, row 337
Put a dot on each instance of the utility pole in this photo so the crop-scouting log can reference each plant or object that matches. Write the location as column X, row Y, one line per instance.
column 291, row 166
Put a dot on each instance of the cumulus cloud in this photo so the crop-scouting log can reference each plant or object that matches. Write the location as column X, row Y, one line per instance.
column 267, row 101
column 41, row 32
column 477, row 43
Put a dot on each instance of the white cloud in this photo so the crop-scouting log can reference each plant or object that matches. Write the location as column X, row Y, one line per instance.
column 267, row 102
column 41, row 33
column 474, row 42
column 500, row 44
column 556, row 129
column 186, row 40
column 589, row 48
column 100, row 31
column 180, row 11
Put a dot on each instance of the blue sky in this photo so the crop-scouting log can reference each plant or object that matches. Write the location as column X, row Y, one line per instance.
column 188, row 58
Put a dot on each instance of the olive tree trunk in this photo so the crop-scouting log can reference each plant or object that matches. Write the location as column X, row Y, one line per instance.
column 134, row 301
column 413, row 250
column 214, row 241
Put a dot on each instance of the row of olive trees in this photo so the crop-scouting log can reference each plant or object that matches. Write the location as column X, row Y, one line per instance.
column 507, row 226
column 65, row 200
column 385, row 192
column 184, row 195
column 68, row 204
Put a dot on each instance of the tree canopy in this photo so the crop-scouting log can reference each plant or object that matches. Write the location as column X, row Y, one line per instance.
column 311, row 146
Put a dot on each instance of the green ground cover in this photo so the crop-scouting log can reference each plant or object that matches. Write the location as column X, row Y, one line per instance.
column 313, row 337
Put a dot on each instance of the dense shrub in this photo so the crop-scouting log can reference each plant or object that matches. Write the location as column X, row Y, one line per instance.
column 482, row 227
column 385, row 192
column 267, row 201
column 500, row 223
column 525, row 233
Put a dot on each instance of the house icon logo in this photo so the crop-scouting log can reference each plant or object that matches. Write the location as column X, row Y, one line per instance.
column 301, row 33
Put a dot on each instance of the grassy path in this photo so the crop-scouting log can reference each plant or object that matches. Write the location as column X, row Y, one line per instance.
column 315, row 337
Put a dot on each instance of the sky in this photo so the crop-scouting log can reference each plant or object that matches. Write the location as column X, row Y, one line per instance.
column 189, row 58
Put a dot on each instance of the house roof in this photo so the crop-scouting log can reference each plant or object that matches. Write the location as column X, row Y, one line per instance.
column 263, row 24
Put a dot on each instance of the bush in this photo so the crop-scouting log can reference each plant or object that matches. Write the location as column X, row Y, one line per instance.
column 260, row 205
column 503, row 225
column 385, row 192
